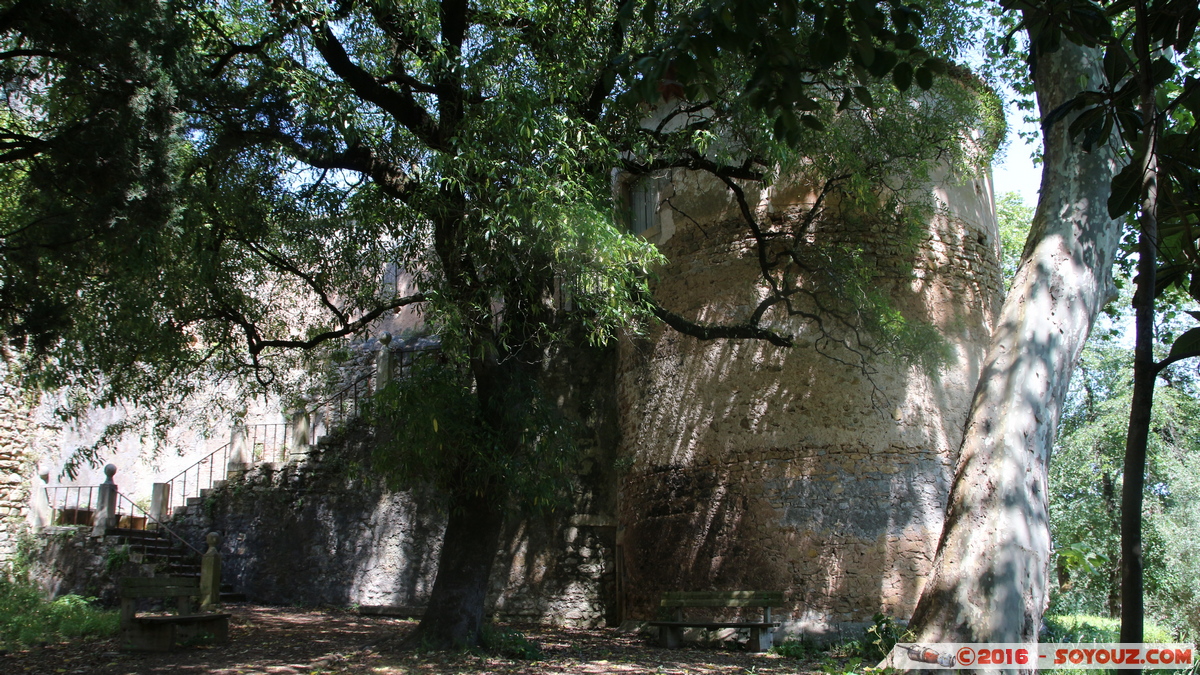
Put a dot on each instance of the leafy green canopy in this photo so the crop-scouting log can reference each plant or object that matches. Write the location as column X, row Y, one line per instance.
column 1086, row 478
column 270, row 166
column 1170, row 70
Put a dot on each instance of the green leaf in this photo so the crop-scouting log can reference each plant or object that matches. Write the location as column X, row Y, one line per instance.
column 1188, row 343
column 812, row 122
column 885, row 60
column 924, row 78
column 902, row 76
column 1126, row 187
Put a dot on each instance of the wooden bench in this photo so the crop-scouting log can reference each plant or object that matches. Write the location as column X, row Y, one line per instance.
column 671, row 632
column 163, row 633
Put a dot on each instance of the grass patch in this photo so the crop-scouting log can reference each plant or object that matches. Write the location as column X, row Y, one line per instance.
column 1089, row 628
column 27, row 619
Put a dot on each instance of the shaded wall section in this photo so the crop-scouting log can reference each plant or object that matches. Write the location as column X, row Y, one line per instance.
column 16, row 463
column 327, row 531
column 753, row 467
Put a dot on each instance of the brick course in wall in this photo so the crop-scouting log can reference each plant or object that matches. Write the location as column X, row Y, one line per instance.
column 761, row 468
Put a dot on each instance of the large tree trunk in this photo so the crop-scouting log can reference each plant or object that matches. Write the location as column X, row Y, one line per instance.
column 455, row 613
column 990, row 573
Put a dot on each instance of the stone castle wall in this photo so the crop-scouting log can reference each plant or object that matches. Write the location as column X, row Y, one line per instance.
column 329, row 532
column 16, row 463
column 706, row 465
column 761, row 468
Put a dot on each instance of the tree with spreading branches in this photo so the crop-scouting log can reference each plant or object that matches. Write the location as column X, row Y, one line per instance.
column 209, row 189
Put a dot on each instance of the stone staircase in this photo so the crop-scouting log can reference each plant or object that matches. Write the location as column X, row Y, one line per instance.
column 155, row 547
column 191, row 504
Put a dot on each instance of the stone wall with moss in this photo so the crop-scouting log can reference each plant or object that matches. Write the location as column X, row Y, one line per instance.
column 16, row 463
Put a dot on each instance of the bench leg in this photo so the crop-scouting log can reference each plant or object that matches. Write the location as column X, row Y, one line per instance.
column 670, row 637
column 760, row 639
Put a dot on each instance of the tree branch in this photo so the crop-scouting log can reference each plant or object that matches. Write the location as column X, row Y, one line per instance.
column 1162, row 365
column 399, row 104
column 257, row 344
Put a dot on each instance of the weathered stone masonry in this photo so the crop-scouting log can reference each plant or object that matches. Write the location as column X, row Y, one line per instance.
column 16, row 464
column 707, row 465
column 755, row 467
column 330, row 532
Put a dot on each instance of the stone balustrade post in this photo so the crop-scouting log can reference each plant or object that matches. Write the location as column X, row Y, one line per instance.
column 41, row 512
column 301, row 433
column 210, row 573
column 106, row 498
column 240, row 452
column 384, row 365
column 160, row 503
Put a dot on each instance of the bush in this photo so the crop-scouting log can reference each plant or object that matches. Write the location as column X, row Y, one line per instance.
column 1085, row 628
column 26, row 618
column 796, row 649
column 882, row 636
column 510, row 644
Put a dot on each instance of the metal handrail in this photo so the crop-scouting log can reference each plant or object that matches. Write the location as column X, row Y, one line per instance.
column 213, row 476
column 150, row 518
column 54, row 491
column 269, row 439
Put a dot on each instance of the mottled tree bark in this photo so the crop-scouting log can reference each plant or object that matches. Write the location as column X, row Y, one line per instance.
column 454, row 616
column 989, row 581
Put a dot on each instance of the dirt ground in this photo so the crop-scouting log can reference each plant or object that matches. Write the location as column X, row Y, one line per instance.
column 327, row 642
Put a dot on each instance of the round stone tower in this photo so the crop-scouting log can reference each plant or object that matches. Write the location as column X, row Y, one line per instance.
column 747, row 466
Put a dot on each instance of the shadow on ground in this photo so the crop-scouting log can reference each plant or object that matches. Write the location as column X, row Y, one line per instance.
column 290, row 641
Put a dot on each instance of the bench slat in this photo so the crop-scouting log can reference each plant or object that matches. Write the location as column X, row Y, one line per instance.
column 723, row 602
column 157, row 582
column 159, row 587
column 168, row 592
column 715, row 624
column 182, row 618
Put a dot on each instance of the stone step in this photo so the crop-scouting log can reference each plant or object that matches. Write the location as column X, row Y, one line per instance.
column 195, row 501
column 132, row 534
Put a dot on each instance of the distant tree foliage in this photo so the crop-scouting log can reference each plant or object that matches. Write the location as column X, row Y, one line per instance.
column 1014, row 217
column 1085, row 498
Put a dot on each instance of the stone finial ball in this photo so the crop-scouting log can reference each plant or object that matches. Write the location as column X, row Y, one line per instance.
column 110, row 470
column 386, row 338
column 213, row 539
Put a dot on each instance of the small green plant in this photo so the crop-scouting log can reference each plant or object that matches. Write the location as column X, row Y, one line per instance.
column 26, row 618
column 847, row 667
column 803, row 648
column 847, row 649
column 510, row 644
column 882, row 636
column 116, row 558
